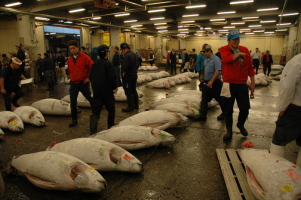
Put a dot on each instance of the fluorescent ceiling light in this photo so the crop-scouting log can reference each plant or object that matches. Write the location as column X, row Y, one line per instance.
column 13, row 4
column 288, row 14
column 245, row 29
column 283, row 24
column 159, row 24
column 52, row 33
column 228, row 12
column 255, row 26
column 137, row 25
column 162, row 30
column 161, row 27
column 237, row 23
column 183, row 29
column 267, row 9
column 214, row 20
column 196, row 6
column 240, row 2
column 184, row 32
column 192, row 15
column 77, row 10
column 223, row 30
column 42, row 18
column 258, row 31
column 96, row 18
column 123, row 14
column 249, row 33
column 270, row 32
column 61, row 21
column 250, row 17
column 207, row 28
column 281, row 30
column 129, row 21
column 158, row 10
column 68, row 22
column 268, row 21
column 229, row 27
column 184, row 22
column 157, row 18
column 180, row 26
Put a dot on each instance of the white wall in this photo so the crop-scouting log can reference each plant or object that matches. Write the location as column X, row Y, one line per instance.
column 9, row 36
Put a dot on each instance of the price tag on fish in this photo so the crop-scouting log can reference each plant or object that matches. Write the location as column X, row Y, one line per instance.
column 127, row 157
column 286, row 188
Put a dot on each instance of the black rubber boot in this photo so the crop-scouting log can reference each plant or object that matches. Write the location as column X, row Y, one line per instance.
column 74, row 117
column 111, row 119
column 130, row 107
column 136, row 101
column 240, row 124
column 7, row 106
column 203, row 112
column 228, row 135
column 93, row 124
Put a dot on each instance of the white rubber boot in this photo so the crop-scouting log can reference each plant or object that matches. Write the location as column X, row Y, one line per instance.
column 277, row 150
column 298, row 162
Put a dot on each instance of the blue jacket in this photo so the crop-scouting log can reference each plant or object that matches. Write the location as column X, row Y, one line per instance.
column 200, row 62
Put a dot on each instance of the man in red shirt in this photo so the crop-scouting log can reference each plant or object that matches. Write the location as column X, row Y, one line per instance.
column 79, row 66
column 237, row 66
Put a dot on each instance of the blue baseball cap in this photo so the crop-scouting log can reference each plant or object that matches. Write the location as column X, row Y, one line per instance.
column 234, row 34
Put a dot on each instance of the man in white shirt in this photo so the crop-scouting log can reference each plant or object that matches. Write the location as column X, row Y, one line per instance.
column 288, row 124
column 256, row 59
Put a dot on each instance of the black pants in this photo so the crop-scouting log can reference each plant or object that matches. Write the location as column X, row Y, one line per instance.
column 7, row 97
column 215, row 92
column 75, row 88
column 173, row 67
column 49, row 77
column 151, row 62
column 241, row 94
column 41, row 77
column 266, row 67
column 288, row 127
column 256, row 65
column 129, row 85
column 100, row 99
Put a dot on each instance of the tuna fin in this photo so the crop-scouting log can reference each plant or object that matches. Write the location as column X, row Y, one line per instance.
column 248, row 144
column 40, row 182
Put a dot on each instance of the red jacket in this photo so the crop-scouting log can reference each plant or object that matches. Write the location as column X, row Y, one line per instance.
column 231, row 71
column 79, row 68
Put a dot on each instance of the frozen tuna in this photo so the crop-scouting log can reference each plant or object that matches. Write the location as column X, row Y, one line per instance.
column 133, row 137
column 174, row 100
column 11, row 121
column 159, row 83
column 185, row 92
column 30, row 115
column 52, row 107
column 58, row 171
column 185, row 110
column 99, row 154
column 81, row 100
column 160, row 119
column 271, row 177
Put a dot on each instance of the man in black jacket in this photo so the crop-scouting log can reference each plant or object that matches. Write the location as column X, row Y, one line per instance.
column 173, row 61
column 21, row 56
column 267, row 61
column 116, row 63
column 47, row 69
column 61, row 62
column 103, row 80
column 129, row 69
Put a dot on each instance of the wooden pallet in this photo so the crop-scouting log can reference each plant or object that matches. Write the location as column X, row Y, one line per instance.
column 234, row 174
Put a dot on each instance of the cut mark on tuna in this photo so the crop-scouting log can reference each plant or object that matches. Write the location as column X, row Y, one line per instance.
column 253, row 181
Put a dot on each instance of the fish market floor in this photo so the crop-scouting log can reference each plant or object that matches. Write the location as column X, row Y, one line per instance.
column 187, row 170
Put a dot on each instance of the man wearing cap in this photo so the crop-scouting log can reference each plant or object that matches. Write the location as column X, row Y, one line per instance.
column 212, row 83
column 129, row 69
column 267, row 62
column 103, row 81
column 237, row 66
column 79, row 66
column 256, row 59
column 21, row 56
column 9, row 83
column 116, row 63
column 5, row 61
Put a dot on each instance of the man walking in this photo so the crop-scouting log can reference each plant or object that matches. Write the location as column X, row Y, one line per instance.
column 129, row 69
column 256, row 59
column 61, row 62
column 79, row 66
column 237, row 66
column 267, row 62
column 103, row 81
column 173, row 61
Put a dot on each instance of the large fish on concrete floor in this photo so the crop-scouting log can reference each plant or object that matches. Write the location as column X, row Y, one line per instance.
column 99, row 154
column 30, row 115
column 133, row 137
column 174, row 100
column 11, row 121
column 160, row 119
column 1, row 134
column 185, row 110
column 52, row 107
column 271, row 177
column 58, row 171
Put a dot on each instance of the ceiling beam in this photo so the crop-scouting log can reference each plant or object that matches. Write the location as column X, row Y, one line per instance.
column 64, row 3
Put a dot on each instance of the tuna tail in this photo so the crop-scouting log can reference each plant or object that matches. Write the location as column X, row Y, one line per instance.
column 248, row 144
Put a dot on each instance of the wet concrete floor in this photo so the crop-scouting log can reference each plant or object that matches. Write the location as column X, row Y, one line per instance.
column 187, row 170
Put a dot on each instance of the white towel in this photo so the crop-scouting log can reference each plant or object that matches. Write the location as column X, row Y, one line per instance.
column 226, row 90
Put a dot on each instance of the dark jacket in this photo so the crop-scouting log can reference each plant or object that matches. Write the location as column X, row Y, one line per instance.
column 130, row 64
column 62, row 61
column 47, row 64
column 173, row 57
column 116, row 59
column 264, row 59
column 103, row 76
column 11, row 77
